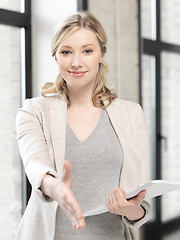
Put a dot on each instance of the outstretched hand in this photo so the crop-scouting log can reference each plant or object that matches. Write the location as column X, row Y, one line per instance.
column 118, row 204
column 67, row 200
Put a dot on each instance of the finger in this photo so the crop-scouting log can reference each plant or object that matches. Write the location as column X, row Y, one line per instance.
column 82, row 223
column 69, row 203
column 108, row 204
column 68, row 213
column 71, row 218
column 69, row 210
column 72, row 214
column 67, row 171
column 76, row 211
column 119, row 194
column 140, row 197
column 73, row 206
column 123, row 191
column 112, row 200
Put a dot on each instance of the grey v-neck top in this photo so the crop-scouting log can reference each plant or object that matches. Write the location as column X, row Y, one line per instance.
column 96, row 166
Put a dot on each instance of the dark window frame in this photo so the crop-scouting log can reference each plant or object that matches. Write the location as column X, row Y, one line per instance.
column 22, row 20
column 156, row 229
column 82, row 5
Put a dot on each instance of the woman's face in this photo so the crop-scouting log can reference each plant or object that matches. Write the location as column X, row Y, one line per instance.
column 78, row 58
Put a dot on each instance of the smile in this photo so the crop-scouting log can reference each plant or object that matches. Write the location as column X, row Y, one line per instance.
column 77, row 73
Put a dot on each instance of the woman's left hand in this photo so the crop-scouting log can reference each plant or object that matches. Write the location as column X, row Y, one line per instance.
column 131, row 209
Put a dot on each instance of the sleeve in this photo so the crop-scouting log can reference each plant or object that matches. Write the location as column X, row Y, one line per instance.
column 33, row 148
column 142, row 145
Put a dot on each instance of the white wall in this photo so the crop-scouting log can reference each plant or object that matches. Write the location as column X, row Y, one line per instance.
column 120, row 20
column 10, row 163
column 45, row 15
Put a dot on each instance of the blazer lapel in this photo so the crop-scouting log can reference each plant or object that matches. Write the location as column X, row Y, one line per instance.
column 58, row 131
column 119, row 120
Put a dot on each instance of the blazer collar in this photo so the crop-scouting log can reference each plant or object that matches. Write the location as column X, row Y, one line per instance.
column 119, row 118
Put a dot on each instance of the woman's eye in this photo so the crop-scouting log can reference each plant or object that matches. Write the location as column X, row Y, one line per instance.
column 88, row 51
column 65, row 52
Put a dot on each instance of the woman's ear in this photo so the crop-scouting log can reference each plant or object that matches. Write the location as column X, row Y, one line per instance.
column 102, row 58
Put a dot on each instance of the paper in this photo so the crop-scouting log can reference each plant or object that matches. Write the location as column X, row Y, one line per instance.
column 153, row 188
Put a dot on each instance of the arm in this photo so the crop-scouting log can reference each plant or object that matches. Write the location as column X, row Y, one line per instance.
column 33, row 147
column 38, row 164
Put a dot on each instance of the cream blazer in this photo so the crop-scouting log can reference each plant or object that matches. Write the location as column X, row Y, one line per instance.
column 41, row 129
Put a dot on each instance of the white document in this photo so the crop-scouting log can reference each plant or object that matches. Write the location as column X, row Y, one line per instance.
column 153, row 188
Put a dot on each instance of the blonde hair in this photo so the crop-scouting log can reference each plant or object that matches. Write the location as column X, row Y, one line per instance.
column 101, row 93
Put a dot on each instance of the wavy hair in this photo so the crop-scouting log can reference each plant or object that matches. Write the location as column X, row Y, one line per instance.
column 102, row 95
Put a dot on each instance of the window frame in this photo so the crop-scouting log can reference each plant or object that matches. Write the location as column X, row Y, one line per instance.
column 82, row 5
column 22, row 20
column 156, row 229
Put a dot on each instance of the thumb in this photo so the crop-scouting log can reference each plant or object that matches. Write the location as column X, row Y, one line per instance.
column 141, row 196
column 67, row 171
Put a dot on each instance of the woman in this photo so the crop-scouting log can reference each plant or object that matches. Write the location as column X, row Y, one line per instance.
column 100, row 141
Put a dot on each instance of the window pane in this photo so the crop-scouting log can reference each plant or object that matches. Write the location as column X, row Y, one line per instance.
column 170, row 21
column 148, row 19
column 10, row 164
column 148, row 103
column 170, row 131
column 13, row 5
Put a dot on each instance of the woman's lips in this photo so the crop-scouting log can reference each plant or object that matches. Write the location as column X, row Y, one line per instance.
column 77, row 74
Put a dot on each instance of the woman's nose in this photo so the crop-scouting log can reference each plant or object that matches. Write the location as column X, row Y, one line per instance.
column 76, row 61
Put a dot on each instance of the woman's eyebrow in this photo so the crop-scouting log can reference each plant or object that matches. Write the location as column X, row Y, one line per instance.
column 89, row 44
column 86, row 45
column 63, row 46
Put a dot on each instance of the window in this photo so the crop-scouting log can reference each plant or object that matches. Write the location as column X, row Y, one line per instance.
column 159, row 57
column 16, row 5
column 15, row 80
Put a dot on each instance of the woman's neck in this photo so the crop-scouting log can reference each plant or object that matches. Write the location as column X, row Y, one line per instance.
column 80, row 97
